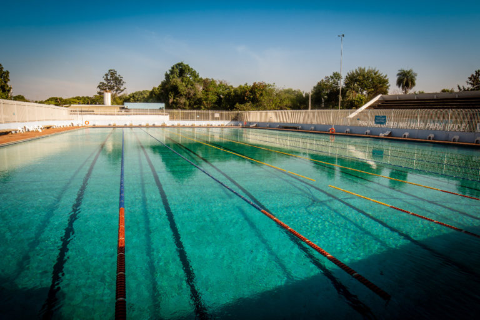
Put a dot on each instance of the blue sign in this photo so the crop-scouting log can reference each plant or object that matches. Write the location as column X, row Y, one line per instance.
column 380, row 119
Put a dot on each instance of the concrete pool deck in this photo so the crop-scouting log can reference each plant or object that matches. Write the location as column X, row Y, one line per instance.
column 11, row 138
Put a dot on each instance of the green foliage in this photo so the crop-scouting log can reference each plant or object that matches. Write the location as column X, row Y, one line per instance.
column 5, row 88
column 365, row 82
column 473, row 82
column 448, row 90
column 19, row 98
column 326, row 92
column 182, row 87
column 406, row 79
column 258, row 96
column 113, row 82
column 210, row 94
column 291, row 99
column 155, row 94
column 58, row 101
column 138, row 96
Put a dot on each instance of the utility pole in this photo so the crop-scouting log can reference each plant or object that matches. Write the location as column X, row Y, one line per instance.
column 340, row 82
column 310, row 101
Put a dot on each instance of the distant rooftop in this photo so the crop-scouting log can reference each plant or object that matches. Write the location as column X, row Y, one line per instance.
column 137, row 105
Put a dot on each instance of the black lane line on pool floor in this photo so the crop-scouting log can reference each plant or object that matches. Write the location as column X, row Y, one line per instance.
column 370, row 285
column 436, row 254
column 148, row 246
column 25, row 260
column 319, row 201
column 50, row 304
column 281, row 265
column 200, row 309
column 380, row 162
column 351, row 299
column 370, row 181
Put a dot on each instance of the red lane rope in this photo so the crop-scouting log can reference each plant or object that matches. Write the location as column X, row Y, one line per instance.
column 435, row 221
column 120, row 292
column 337, row 262
column 408, row 212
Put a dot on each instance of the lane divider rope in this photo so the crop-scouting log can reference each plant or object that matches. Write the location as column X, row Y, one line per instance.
column 408, row 212
column 345, row 147
column 348, row 168
column 382, row 294
column 245, row 157
column 387, row 164
column 120, row 294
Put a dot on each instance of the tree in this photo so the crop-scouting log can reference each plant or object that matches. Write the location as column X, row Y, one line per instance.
column 291, row 99
column 406, row 79
column 182, row 87
column 138, row 96
column 325, row 93
column 210, row 94
column 363, row 85
column 473, row 82
column 5, row 88
column 113, row 82
column 19, row 98
column 448, row 90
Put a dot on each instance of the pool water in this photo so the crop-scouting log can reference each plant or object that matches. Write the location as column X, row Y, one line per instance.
column 194, row 249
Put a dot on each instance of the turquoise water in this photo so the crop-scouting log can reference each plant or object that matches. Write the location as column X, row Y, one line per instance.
column 196, row 250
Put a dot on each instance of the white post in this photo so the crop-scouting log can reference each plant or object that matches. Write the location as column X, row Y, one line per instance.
column 341, row 58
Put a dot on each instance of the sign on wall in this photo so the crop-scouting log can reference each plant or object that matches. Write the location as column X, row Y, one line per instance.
column 380, row 119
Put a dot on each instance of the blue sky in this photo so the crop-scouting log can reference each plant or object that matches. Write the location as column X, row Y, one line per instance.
column 60, row 48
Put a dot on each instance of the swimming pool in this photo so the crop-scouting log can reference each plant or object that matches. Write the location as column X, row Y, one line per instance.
column 194, row 248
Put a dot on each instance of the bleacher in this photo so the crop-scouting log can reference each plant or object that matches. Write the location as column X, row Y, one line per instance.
column 455, row 100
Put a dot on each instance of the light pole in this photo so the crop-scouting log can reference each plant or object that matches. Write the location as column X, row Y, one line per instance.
column 341, row 58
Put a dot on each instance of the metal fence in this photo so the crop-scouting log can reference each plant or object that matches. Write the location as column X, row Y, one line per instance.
column 116, row 112
column 204, row 115
column 176, row 115
column 460, row 120
column 16, row 111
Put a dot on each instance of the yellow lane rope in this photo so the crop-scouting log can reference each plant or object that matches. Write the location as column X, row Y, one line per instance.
column 245, row 157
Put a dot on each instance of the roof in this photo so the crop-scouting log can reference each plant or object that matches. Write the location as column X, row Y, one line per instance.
column 455, row 100
column 138, row 105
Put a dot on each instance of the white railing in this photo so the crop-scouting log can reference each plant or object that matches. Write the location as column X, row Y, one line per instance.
column 460, row 120
column 17, row 111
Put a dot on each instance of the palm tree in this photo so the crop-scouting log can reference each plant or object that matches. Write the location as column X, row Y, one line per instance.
column 406, row 79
